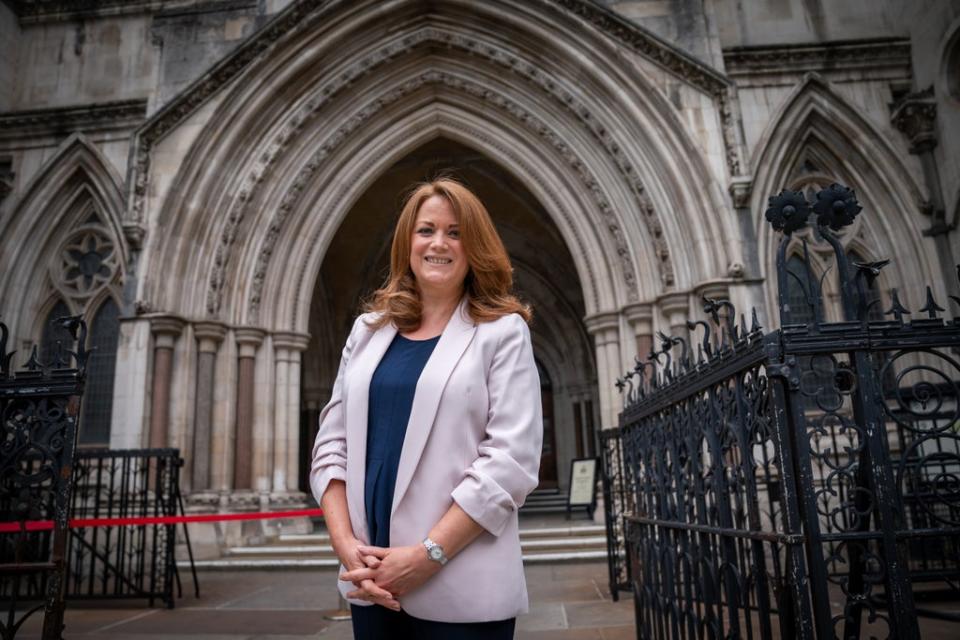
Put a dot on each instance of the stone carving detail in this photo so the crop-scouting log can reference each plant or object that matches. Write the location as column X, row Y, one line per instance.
column 249, row 186
column 478, row 91
column 294, row 19
column 916, row 116
column 673, row 60
column 504, row 152
column 86, row 262
column 290, row 21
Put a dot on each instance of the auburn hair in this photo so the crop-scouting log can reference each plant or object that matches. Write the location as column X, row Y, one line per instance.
column 489, row 281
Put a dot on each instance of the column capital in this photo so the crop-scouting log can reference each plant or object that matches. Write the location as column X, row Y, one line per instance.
column 674, row 302
column 714, row 289
column 915, row 115
column 603, row 321
column 675, row 307
column 166, row 324
column 638, row 313
column 209, row 330
column 249, row 335
column 741, row 188
column 291, row 340
column 209, row 335
column 249, row 338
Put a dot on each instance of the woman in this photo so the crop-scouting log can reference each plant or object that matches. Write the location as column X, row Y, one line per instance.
column 431, row 440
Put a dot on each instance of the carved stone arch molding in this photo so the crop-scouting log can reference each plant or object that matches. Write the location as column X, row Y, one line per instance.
column 621, row 141
column 63, row 238
column 816, row 122
column 289, row 279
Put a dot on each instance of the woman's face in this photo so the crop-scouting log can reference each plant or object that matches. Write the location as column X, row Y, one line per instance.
column 437, row 259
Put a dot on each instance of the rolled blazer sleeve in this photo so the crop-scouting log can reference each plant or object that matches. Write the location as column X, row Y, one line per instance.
column 507, row 468
column 330, row 447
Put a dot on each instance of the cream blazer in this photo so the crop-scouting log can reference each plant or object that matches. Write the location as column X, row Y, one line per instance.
column 474, row 437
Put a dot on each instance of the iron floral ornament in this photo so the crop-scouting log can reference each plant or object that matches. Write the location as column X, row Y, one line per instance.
column 788, row 211
column 836, row 207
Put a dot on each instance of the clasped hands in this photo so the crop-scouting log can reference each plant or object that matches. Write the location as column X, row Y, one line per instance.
column 382, row 575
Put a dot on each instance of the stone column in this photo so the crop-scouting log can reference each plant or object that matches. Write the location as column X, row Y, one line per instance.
column 916, row 116
column 286, row 453
column 281, row 363
column 675, row 308
column 248, row 340
column 640, row 317
column 209, row 336
column 313, row 401
column 166, row 330
column 605, row 329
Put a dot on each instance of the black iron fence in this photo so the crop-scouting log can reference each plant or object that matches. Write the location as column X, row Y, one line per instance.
column 798, row 483
column 114, row 558
column 131, row 560
column 39, row 409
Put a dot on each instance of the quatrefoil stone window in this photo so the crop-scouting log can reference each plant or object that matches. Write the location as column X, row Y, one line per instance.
column 87, row 262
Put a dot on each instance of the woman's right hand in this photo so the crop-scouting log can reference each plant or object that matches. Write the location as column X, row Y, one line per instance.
column 349, row 554
column 345, row 543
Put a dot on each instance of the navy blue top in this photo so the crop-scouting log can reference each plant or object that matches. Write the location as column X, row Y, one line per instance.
column 392, row 388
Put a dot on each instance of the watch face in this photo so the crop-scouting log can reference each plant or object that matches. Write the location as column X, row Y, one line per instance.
column 436, row 553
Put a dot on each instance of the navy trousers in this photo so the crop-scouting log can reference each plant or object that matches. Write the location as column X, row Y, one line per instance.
column 380, row 623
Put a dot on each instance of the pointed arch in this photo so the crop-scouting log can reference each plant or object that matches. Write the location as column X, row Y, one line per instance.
column 621, row 152
column 818, row 132
column 77, row 182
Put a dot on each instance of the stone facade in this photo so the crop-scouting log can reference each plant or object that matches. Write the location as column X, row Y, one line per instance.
column 231, row 169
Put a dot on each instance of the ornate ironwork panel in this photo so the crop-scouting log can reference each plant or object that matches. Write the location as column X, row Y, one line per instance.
column 39, row 406
column 617, row 502
column 120, row 561
column 798, row 483
column 125, row 561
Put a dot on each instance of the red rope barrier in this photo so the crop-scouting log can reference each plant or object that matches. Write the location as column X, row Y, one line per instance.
column 80, row 523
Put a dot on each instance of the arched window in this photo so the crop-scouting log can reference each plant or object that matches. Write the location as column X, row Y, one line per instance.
column 98, row 393
column 804, row 298
column 53, row 333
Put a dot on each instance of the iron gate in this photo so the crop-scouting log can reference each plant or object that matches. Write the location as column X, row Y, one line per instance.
column 39, row 409
column 116, row 561
column 798, row 483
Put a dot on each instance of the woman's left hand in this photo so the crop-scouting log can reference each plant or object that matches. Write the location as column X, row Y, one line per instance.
column 401, row 570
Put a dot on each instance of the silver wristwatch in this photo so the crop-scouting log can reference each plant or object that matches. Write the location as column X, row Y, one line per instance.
column 435, row 551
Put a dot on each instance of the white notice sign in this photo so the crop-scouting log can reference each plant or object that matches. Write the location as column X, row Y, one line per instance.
column 583, row 479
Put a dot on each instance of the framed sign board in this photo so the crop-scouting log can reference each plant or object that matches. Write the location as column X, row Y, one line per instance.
column 583, row 484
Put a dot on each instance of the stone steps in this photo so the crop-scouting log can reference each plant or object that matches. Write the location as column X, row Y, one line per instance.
column 544, row 501
column 311, row 551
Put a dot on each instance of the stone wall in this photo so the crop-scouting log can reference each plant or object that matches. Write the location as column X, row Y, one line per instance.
column 779, row 22
column 10, row 37
column 82, row 62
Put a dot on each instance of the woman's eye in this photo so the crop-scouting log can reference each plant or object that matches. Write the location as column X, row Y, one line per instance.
column 454, row 233
column 424, row 231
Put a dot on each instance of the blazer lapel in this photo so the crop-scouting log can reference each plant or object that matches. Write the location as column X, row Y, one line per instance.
column 453, row 342
column 358, row 397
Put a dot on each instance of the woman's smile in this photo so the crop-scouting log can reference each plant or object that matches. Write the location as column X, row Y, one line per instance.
column 437, row 256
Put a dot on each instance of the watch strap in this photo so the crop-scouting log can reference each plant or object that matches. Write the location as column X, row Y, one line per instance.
column 431, row 546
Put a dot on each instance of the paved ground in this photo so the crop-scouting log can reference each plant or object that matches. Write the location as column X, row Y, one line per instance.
column 567, row 602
